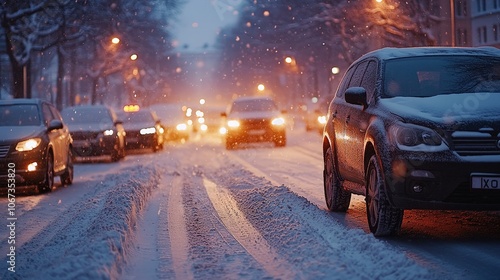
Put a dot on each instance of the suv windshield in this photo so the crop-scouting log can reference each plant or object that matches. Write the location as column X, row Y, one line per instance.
column 430, row 76
column 141, row 116
column 19, row 115
column 253, row 105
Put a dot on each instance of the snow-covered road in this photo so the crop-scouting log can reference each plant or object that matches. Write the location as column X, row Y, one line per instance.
column 197, row 211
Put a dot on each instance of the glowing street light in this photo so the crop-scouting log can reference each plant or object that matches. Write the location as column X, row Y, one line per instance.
column 261, row 87
column 335, row 70
column 115, row 40
column 133, row 57
column 288, row 60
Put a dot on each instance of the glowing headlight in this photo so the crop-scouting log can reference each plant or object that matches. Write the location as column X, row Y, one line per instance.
column 108, row 132
column 204, row 127
column 149, row 130
column 233, row 123
column 28, row 145
column 181, row 126
column 222, row 130
column 278, row 121
column 322, row 119
column 416, row 138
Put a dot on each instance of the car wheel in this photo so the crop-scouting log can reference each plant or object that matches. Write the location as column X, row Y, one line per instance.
column 337, row 198
column 46, row 186
column 383, row 219
column 67, row 176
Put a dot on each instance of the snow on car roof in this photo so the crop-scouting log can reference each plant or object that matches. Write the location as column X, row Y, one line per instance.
column 392, row 53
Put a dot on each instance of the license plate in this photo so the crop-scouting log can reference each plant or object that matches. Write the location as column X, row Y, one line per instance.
column 485, row 182
column 256, row 132
column 81, row 144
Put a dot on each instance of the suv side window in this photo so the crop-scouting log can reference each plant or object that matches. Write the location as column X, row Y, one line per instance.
column 345, row 82
column 370, row 79
column 357, row 76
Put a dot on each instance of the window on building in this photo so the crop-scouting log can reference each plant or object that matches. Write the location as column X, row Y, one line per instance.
column 485, row 35
column 495, row 4
column 458, row 8
column 479, row 37
column 495, row 32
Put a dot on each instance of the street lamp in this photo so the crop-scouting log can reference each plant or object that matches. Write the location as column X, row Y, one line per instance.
column 452, row 19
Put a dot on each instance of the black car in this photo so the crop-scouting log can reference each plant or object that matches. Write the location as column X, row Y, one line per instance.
column 254, row 119
column 96, row 131
column 415, row 128
column 144, row 130
column 35, row 146
column 173, row 120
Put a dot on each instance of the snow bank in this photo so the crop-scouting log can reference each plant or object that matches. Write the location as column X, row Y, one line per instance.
column 92, row 237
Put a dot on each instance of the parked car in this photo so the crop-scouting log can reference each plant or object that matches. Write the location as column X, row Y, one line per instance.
column 173, row 120
column 415, row 128
column 143, row 129
column 96, row 131
column 35, row 146
column 254, row 119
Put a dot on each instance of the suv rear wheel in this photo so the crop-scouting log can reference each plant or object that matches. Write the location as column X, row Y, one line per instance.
column 337, row 198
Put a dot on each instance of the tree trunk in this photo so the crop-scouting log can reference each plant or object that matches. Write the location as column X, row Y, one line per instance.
column 60, row 77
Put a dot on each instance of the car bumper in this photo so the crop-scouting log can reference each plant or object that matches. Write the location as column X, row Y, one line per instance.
column 443, row 181
column 16, row 168
column 138, row 141
column 94, row 147
column 255, row 135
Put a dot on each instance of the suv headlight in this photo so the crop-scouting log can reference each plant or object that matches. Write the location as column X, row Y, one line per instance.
column 409, row 137
column 28, row 145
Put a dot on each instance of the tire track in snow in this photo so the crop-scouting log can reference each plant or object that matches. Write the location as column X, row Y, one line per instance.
column 243, row 231
column 177, row 230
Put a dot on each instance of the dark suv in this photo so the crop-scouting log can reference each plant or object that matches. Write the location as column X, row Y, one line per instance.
column 35, row 146
column 415, row 128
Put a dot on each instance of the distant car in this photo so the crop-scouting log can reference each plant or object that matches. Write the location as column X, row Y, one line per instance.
column 96, row 131
column 415, row 128
column 174, row 121
column 35, row 146
column 254, row 119
column 315, row 117
column 143, row 130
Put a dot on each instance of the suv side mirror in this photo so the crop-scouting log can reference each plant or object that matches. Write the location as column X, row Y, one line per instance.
column 55, row 124
column 356, row 95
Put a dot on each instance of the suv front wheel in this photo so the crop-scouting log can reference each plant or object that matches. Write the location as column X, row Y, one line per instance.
column 337, row 198
column 383, row 219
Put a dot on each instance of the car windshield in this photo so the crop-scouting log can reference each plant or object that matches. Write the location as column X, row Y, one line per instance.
column 19, row 115
column 138, row 117
column 86, row 115
column 430, row 76
column 254, row 105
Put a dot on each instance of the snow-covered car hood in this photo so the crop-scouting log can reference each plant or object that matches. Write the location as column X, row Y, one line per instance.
column 254, row 115
column 468, row 109
column 18, row 133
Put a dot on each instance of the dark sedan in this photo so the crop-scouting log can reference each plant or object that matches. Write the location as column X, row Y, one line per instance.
column 415, row 128
column 35, row 146
column 96, row 131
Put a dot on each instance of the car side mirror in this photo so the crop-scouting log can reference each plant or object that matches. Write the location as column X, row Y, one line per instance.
column 55, row 124
column 357, row 96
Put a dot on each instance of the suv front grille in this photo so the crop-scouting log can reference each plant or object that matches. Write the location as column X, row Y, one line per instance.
column 4, row 150
column 471, row 146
